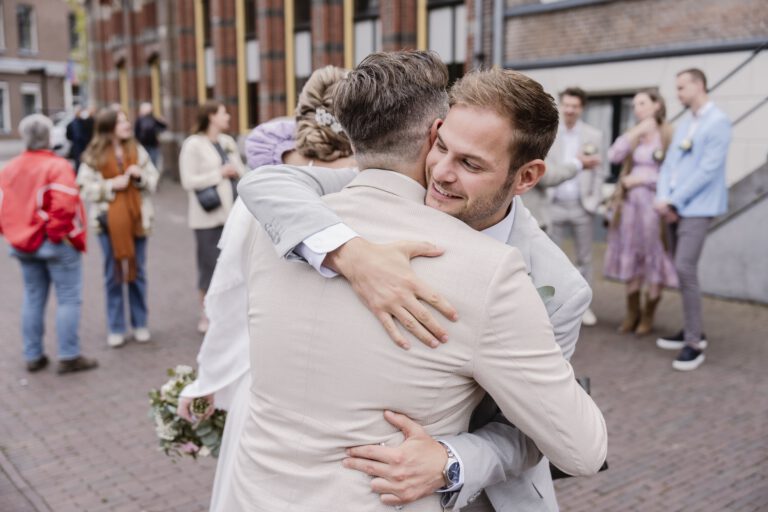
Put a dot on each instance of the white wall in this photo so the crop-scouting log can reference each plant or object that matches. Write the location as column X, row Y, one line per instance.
column 749, row 147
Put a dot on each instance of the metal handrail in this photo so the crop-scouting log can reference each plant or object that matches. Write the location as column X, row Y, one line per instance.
column 728, row 76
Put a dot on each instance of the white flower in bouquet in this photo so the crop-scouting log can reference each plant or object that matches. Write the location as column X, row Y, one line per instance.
column 183, row 370
column 176, row 435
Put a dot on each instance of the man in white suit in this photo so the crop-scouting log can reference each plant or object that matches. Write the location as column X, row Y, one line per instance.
column 312, row 345
column 575, row 201
column 493, row 457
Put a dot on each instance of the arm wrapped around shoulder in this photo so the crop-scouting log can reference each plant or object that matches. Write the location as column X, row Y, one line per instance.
column 518, row 362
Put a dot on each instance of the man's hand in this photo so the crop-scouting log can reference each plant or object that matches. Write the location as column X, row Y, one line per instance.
column 590, row 161
column 381, row 276
column 669, row 215
column 406, row 473
column 185, row 406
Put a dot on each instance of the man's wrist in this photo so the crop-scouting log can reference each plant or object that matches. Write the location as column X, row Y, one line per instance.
column 453, row 472
column 336, row 259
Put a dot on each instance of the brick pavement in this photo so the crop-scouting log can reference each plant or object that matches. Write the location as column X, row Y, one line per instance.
column 694, row 442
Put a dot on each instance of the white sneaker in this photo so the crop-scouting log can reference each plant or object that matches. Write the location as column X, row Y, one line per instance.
column 115, row 340
column 141, row 334
column 588, row 319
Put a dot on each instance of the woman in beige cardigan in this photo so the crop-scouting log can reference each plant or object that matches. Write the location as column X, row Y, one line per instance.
column 209, row 159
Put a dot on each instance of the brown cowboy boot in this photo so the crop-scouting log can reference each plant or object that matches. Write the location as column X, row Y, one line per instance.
column 633, row 313
column 646, row 317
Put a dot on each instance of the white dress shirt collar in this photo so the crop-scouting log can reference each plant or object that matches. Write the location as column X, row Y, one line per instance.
column 502, row 230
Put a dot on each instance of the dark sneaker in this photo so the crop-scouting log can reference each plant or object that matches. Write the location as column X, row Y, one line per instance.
column 38, row 364
column 677, row 341
column 77, row 364
column 688, row 359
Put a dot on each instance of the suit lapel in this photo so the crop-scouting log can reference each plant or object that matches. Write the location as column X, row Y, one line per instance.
column 520, row 235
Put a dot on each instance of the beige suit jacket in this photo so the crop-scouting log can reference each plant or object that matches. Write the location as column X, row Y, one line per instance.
column 559, row 170
column 323, row 368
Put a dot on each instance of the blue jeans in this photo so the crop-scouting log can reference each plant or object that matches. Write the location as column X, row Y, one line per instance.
column 137, row 290
column 61, row 264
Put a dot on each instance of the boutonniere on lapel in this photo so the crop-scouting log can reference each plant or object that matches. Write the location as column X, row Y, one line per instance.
column 589, row 149
column 658, row 156
column 686, row 145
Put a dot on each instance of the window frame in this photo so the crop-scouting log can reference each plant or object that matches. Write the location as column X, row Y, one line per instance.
column 35, row 89
column 5, row 108
column 32, row 29
column 2, row 25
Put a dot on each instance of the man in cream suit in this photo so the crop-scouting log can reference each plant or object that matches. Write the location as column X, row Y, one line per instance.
column 691, row 191
column 493, row 457
column 578, row 147
column 322, row 368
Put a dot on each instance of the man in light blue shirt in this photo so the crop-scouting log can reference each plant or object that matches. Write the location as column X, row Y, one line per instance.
column 691, row 191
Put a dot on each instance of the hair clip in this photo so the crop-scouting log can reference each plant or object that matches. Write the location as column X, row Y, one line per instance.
column 325, row 118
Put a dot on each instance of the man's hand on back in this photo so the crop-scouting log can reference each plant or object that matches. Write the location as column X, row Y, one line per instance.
column 405, row 473
column 382, row 277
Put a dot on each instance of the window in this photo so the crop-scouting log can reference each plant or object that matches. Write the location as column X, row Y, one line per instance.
column 74, row 35
column 448, row 35
column 253, row 103
column 251, row 30
column 367, row 29
column 2, row 28
column 302, row 42
column 31, row 99
column 253, row 75
column 26, row 27
column 612, row 115
column 207, row 38
column 5, row 109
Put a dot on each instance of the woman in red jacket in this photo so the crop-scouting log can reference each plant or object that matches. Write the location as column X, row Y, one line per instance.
column 42, row 218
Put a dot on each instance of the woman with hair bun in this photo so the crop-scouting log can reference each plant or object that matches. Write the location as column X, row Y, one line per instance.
column 636, row 252
column 314, row 137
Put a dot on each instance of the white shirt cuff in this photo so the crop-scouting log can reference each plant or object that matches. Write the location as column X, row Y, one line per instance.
column 315, row 248
column 458, row 485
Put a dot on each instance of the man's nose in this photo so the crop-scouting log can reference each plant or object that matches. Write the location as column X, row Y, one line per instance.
column 443, row 171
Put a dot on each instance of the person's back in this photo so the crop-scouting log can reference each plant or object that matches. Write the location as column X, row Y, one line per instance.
column 324, row 370
column 39, row 199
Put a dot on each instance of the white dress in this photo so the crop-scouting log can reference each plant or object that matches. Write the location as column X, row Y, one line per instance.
column 223, row 361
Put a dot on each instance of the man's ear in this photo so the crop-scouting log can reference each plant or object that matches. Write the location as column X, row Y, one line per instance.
column 433, row 131
column 529, row 175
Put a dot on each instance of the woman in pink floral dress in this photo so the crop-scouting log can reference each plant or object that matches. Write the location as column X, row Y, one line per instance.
column 637, row 253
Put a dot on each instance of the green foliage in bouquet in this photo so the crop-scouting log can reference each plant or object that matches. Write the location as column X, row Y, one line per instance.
column 176, row 435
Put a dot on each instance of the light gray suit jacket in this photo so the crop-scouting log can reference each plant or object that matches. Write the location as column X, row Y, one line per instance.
column 560, row 170
column 496, row 456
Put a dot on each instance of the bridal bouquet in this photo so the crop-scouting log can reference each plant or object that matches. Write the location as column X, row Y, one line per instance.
column 176, row 435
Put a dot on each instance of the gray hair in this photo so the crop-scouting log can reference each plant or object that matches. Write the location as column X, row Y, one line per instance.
column 35, row 130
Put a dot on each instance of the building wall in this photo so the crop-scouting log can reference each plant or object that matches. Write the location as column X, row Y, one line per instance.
column 733, row 262
column 749, row 146
column 610, row 27
column 46, row 66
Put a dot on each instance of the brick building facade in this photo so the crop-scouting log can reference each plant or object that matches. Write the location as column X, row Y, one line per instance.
column 36, row 74
column 254, row 55
column 177, row 53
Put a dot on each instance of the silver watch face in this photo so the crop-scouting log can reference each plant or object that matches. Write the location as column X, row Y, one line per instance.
column 452, row 473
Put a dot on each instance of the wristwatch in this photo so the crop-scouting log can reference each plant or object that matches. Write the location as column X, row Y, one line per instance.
column 452, row 469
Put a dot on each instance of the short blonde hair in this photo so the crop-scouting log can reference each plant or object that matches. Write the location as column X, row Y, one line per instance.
column 313, row 139
column 531, row 112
